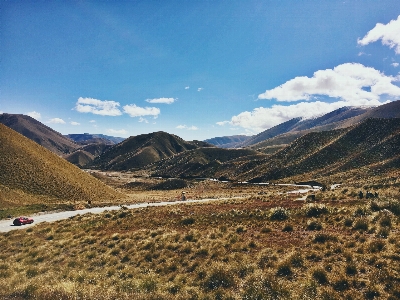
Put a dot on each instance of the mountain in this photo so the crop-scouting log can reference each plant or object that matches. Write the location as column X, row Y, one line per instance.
column 364, row 150
column 294, row 128
column 33, row 173
column 139, row 151
column 340, row 118
column 39, row 133
column 228, row 141
column 87, row 138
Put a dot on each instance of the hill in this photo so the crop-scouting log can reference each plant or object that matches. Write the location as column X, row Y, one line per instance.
column 372, row 146
column 32, row 173
column 39, row 133
column 139, row 151
column 201, row 162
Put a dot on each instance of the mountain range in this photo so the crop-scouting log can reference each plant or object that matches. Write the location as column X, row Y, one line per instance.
column 341, row 142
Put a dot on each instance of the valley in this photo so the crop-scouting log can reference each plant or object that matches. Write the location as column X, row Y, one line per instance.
column 293, row 222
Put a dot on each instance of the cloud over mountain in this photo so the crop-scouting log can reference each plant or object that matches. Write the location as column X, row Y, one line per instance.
column 389, row 34
column 136, row 111
column 350, row 82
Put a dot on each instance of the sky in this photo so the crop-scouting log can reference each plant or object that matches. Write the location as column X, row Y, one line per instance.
column 196, row 69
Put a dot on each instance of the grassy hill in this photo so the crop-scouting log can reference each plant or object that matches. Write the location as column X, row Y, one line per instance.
column 262, row 247
column 39, row 133
column 375, row 142
column 32, row 174
column 139, row 151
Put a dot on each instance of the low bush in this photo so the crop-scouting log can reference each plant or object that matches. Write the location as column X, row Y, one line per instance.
column 279, row 214
column 313, row 225
column 361, row 224
column 315, row 210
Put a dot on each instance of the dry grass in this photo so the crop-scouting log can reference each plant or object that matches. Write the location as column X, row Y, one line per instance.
column 234, row 249
column 31, row 174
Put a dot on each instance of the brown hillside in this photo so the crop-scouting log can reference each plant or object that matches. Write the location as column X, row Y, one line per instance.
column 141, row 150
column 373, row 143
column 39, row 133
column 30, row 169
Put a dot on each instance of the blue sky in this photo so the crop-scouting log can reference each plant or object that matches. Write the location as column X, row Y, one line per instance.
column 197, row 69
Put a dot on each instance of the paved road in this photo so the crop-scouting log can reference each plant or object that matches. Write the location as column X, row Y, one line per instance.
column 6, row 225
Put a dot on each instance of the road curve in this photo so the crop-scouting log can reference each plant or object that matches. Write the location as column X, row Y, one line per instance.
column 6, row 225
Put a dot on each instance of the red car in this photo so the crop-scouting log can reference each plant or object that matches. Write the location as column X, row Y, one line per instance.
column 22, row 221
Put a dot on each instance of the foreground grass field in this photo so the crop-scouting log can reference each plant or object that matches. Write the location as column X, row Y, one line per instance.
column 254, row 248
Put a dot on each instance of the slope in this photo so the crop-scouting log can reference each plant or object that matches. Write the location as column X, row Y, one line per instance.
column 139, row 151
column 371, row 143
column 29, row 169
column 39, row 133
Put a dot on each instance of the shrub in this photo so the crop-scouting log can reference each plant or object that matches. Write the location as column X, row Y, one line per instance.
column 341, row 285
column 279, row 214
column 383, row 232
column 266, row 230
column 323, row 237
column 219, row 277
column 188, row 221
column 240, row 229
column 296, row 259
column 361, row 211
column 284, row 269
column 319, row 275
column 376, row 246
column 351, row 269
column 287, row 228
column 264, row 287
column 313, row 225
column 361, row 224
column 348, row 222
column 315, row 210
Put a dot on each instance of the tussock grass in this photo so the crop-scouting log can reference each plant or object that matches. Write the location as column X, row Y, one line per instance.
column 230, row 250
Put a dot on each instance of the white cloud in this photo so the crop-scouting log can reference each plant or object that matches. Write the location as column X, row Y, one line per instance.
column 56, row 121
column 263, row 118
column 161, row 100
column 136, row 111
column 350, row 82
column 395, row 64
column 92, row 121
column 34, row 114
column 75, row 123
column 143, row 120
column 388, row 33
column 114, row 131
column 187, row 127
column 200, row 89
column 187, row 87
column 98, row 107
